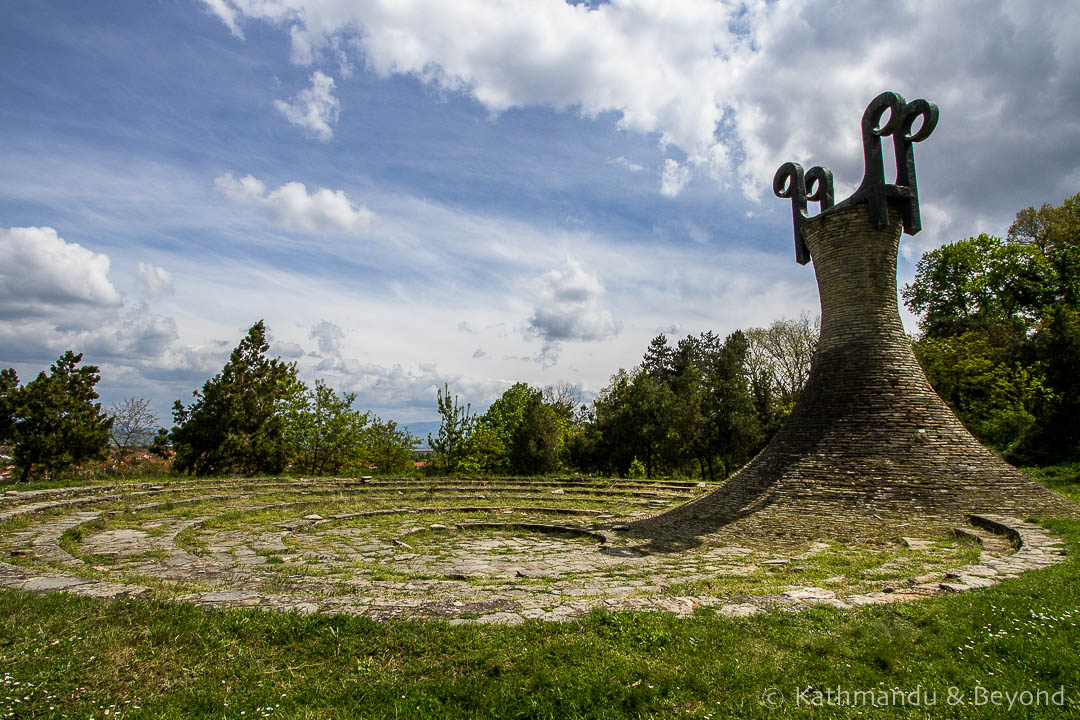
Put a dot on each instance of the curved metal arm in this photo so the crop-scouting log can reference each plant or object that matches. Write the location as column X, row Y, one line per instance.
column 905, row 158
column 791, row 182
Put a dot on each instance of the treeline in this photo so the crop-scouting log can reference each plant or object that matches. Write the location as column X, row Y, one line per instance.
column 254, row 417
column 257, row 417
column 1000, row 332
column 700, row 408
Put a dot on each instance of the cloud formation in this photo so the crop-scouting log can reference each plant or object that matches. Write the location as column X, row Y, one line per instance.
column 41, row 272
column 741, row 87
column 156, row 282
column 56, row 295
column 399, row 388
column 569, row 309
column 674, row 178
column 628, row 164
column 294, row 208
column 314, row 109
column 328, row 337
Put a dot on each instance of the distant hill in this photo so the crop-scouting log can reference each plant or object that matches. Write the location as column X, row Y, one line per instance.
column 421, row 430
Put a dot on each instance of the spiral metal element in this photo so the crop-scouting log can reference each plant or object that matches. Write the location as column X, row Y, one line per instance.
column 816, row 184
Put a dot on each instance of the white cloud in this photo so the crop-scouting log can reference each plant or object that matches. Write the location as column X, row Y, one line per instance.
column 56, row 296
column 396, row 387
column 227, row 13
column 319, row 212
column 247, row 189
column 315, row 108
column 674, row 178
column 673, row 330
column 293, row 207
column 40, row 272
column 569, row 307
column 727, row 82
column 156, row 282
column 628, row 164
column 328, row 335
column 287, row 350
column 652, row 64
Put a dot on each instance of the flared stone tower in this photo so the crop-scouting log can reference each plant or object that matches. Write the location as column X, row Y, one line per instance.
column 870, row 445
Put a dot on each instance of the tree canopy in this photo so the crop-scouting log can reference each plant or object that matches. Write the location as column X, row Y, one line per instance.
column 257, row 416
column 1000, row 331
column 53, row 422
column 235, row 424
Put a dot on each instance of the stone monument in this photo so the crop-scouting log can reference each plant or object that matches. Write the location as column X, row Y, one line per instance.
column 869, row 445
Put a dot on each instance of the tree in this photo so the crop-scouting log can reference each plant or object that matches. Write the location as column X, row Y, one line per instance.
column 484, row 452
column 322, row 431
column 538, row 440
column 134, row 425
column 789, row 346
column 994, row 395
column 691, row 435
column 778, row 361
column 9, row 388
column 236, row 423
column 452, row 444
column 659, row 358
column 998, row 339
column 54, row 422
column 1055, row 436
column 633, row 416
column 615, row 430
column 505, row 414
column 564, row 398
column 1050, row 229
column 979, row 283
column 737, row 429
column 388, row 448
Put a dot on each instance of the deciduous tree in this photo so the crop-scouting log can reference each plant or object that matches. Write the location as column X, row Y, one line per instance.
column 389, row 448
column 998, row 335
column 538, row 440
column 134, row 426
column 323, row 433
column 451, row 446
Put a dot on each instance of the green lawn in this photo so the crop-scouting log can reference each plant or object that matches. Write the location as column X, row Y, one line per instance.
column 1064, row 478
column 67, row 656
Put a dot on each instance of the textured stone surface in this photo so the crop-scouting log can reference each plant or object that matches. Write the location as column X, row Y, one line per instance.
column 508, row 572
column 870, row 443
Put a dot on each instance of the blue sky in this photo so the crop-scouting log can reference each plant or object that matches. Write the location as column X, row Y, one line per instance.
column 474, row 192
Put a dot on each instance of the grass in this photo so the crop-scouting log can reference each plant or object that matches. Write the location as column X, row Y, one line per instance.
column 144, row 659
column 855, row 569
column 1064, row 478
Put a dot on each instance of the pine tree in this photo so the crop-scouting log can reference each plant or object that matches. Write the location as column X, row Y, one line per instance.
column 53, row 421
column 236, row 423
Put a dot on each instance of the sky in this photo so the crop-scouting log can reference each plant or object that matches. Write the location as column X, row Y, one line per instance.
column 414, row 193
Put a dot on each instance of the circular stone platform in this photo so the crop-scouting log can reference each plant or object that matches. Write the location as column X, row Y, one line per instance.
column 493, row 550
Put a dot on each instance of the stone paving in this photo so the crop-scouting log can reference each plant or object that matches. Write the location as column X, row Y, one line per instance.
column 517, row 550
